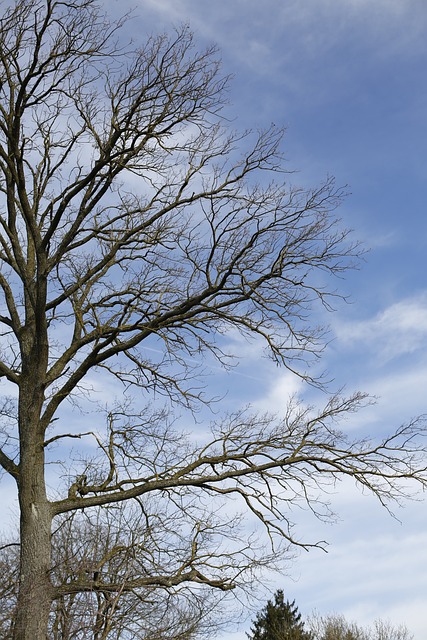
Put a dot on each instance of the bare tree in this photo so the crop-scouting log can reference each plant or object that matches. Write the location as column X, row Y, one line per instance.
column 133, row 236
column 112, row 549
column 385, row 630
column 337, row 627
column 9, row 564
column 109, row 546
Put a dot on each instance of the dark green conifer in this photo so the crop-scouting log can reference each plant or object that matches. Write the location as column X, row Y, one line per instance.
column 279, row 620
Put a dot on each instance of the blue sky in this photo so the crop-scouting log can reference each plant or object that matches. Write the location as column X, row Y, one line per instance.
column 348, row 80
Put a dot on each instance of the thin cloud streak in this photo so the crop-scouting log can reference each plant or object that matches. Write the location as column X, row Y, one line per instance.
column 398, row 330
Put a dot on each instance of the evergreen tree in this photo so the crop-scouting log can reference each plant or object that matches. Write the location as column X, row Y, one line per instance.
column 279, row 620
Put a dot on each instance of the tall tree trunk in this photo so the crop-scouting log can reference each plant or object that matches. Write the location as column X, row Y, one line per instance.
column 35, row 588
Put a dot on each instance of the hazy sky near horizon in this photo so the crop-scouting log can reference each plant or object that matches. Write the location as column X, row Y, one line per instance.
column 347, row 80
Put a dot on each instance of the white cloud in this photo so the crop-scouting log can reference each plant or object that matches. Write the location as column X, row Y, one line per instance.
column 401, row 394
column 400, row 329
column 285, row 386
column 367, row 577
column 297, row 26
column 372, row 570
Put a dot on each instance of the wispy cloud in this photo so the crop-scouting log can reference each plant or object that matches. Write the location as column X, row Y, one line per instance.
column 310, row 27
column 400, row 329
column 285, row 386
